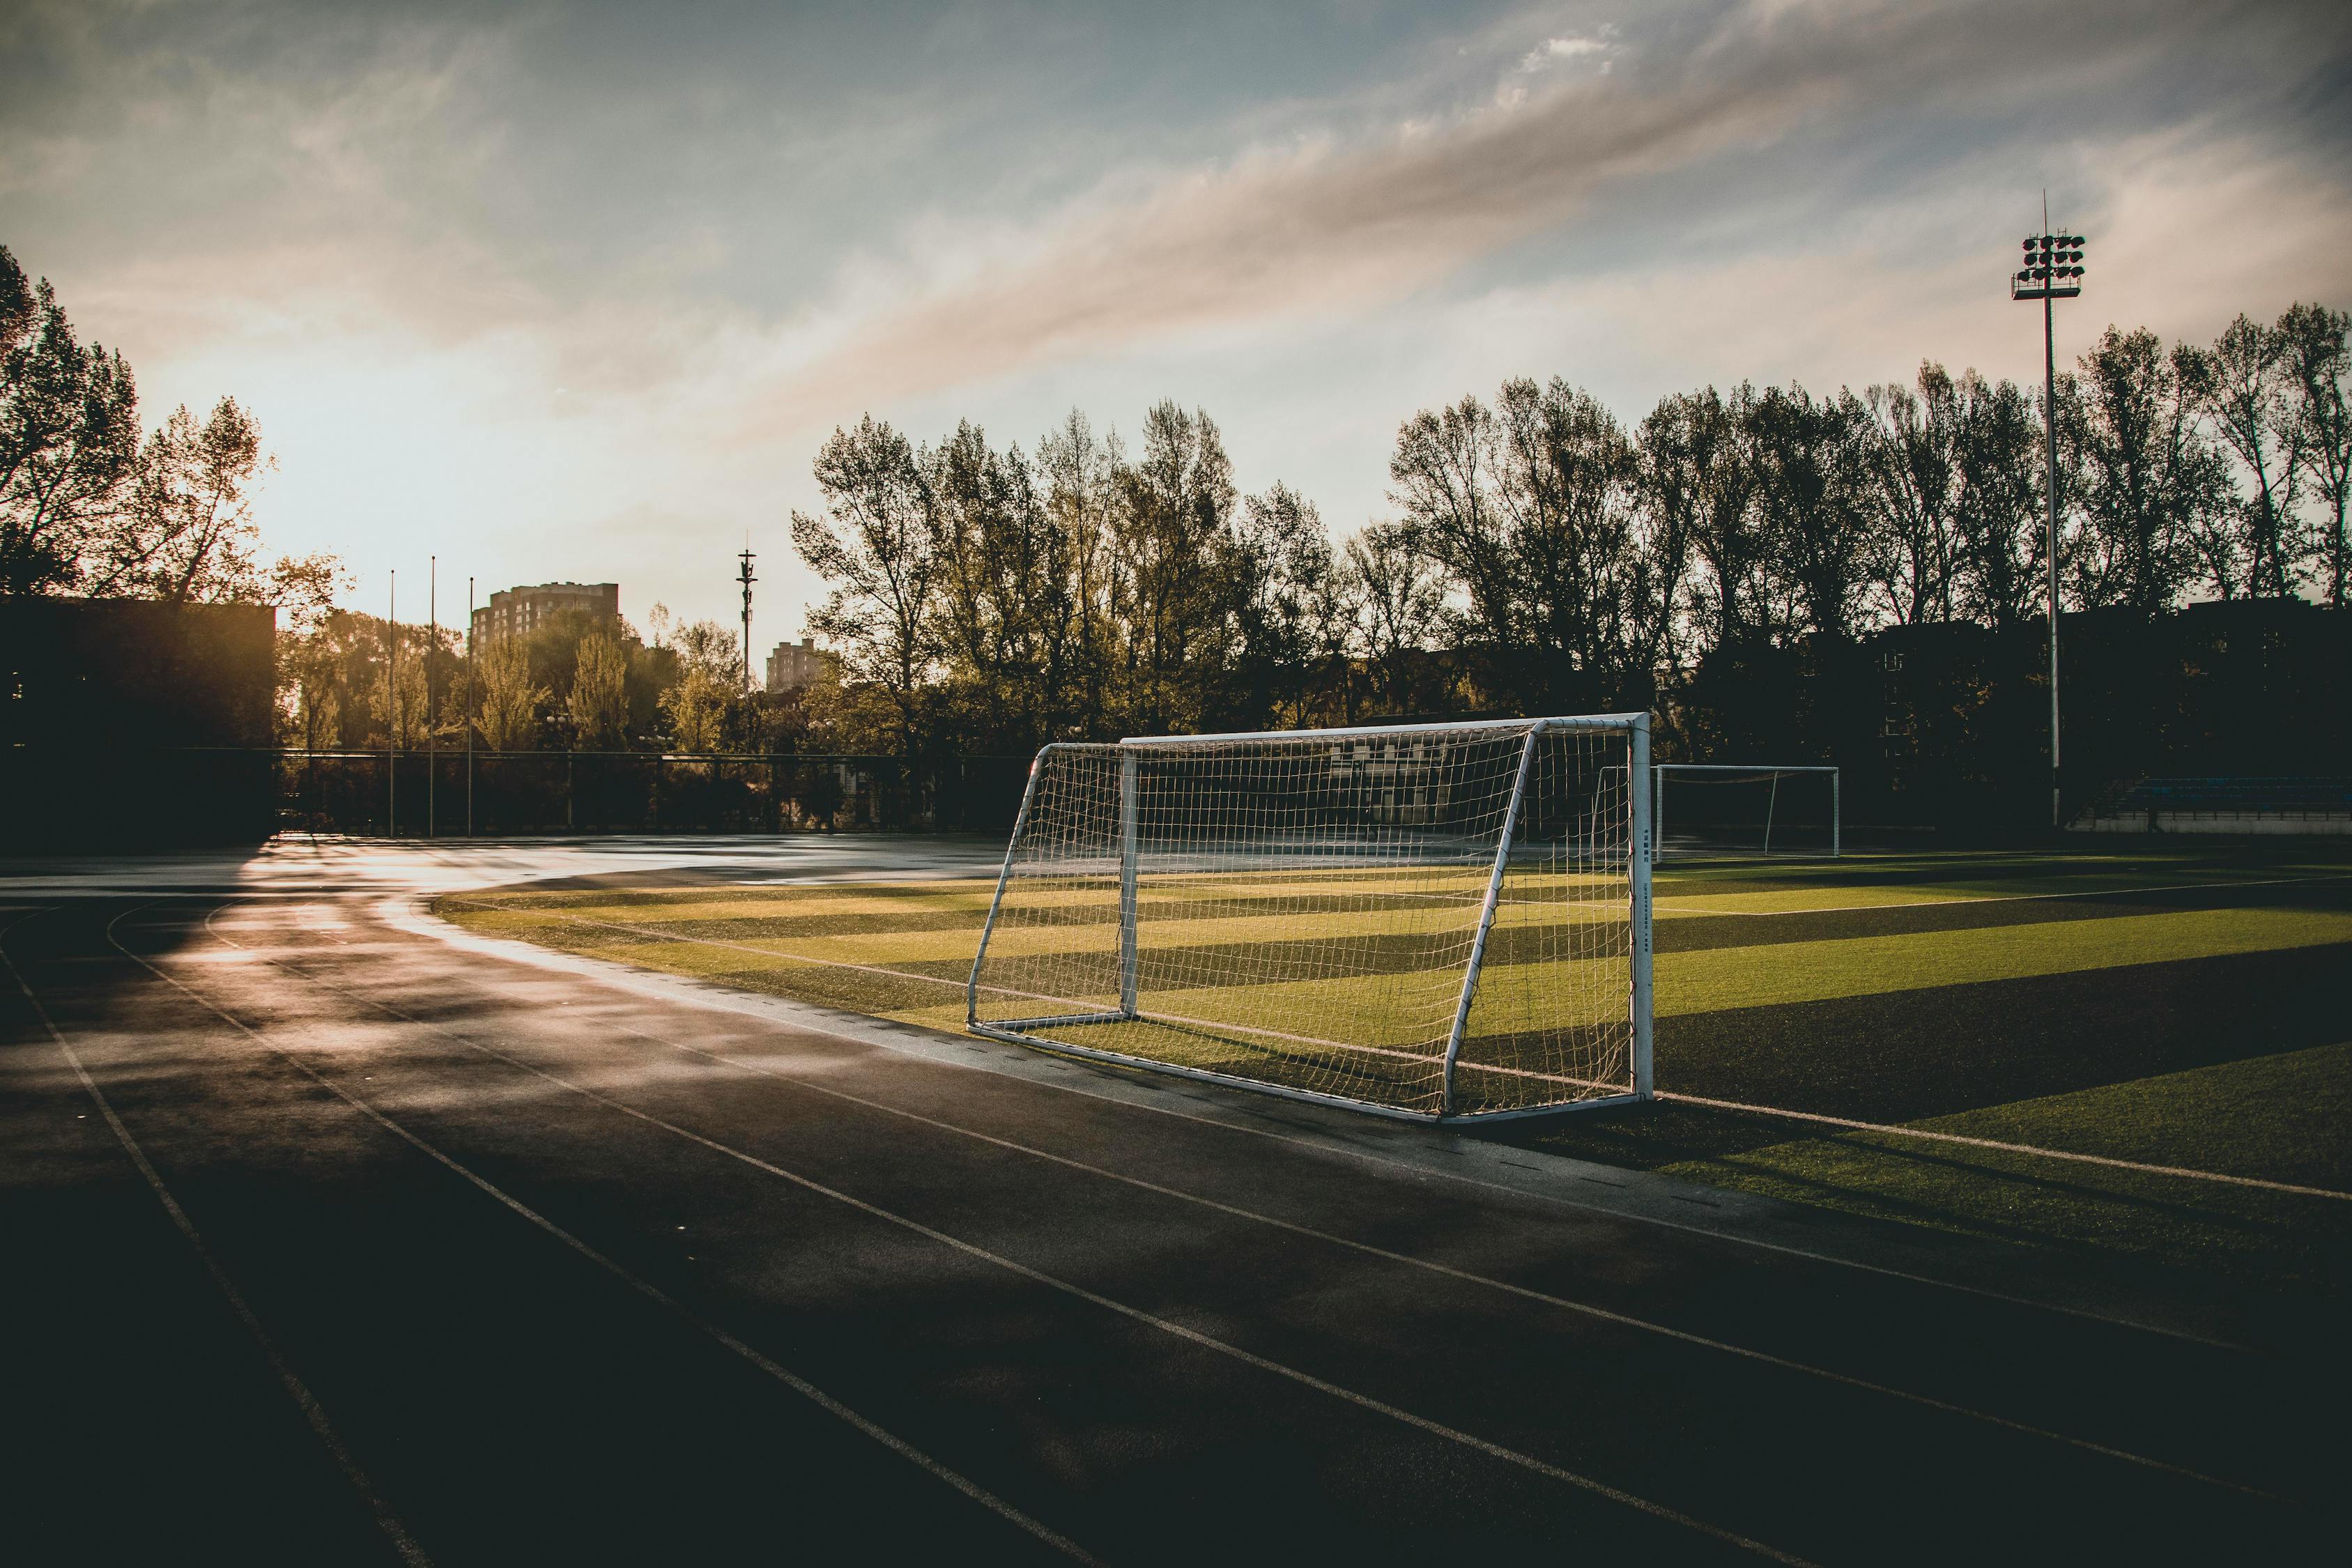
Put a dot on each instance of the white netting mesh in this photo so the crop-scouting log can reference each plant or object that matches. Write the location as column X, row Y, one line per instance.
column 1741, row 812
column 1305, row 910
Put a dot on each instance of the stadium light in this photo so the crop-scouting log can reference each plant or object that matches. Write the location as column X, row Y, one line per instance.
column 2052, row 270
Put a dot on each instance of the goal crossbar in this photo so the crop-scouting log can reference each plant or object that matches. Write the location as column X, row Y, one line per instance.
column 1321, row 907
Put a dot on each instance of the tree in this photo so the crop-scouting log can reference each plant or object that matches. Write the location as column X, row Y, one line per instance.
column 1281, row 620
column 599, row 703
column 86, row 508
column 1808, row 495
column 1996, row 509
column 2318, row 360
column 698, row 708
column 1907, row 446
column 510, row 699
column 2245, row 382
column 1396, row 596
column 2151, row 483
column 68, row 437
column 877, row 547
column 1176, row 500
column 1702, row 475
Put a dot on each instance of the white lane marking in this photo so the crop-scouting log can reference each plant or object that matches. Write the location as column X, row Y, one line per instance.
column 651, row 1293
column 313, row 1413
column 1969, row 901
column 1900, row 1131
column 1585, row 1308
column 662, row 986
column 1055, row 1282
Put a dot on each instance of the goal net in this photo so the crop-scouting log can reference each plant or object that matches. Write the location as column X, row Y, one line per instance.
column 1741, row 811
column 1426, row 921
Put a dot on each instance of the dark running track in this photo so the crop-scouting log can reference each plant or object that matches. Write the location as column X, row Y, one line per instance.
column 428, row 1254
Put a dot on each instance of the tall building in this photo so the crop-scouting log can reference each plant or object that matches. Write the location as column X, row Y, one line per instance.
column 789, row 667
column 513, row 612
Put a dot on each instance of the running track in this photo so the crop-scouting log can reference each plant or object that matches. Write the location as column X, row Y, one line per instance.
column 330, row 1242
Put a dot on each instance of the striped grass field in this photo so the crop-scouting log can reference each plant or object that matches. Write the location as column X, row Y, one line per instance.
column 2182, row 1008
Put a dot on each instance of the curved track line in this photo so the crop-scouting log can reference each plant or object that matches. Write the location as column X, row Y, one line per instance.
column 1079, row 1292
column 651, row 1293
column 1583, row 1309
column 635, row 978
column 314, row 1415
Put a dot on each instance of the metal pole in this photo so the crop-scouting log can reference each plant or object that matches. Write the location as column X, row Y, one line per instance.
column 1486, row 914
column 1127, row 879
column 392, row 711
column 1003, row 875
column 432, row 647
column 1837, row 818
column 2049, row 435
column 470, row 707
column 1771, row 807
column 1658, row 803
column 1644, row 847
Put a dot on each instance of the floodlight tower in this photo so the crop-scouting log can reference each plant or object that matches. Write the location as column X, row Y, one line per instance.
column 2050, row 269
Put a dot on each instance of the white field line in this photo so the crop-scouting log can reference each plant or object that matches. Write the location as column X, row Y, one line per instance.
column 1135, row 1314
column 417, row 919
column 2179, row 1171
column 1896, row 1132
column 651, row 1293
column 1584, row 1309
column 314, row 1415
column 1063, row 1001
column 1964, row 899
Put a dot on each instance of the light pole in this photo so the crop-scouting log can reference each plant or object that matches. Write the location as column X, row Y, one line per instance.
column 745, row 577
column 2050, row 269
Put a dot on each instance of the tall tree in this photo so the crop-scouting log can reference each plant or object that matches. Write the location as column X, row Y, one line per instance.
column 1998, row 458
column 1176, row 500
column 2150, row 482
column 1809, row 494
column 877, row 547
column 599, row 701
column 1396, row 598
column 510, row 700
column 2318, row 361
column 1907, row 448
column 1701, row 455
column 2245, row 380
column 1277, row 565
column 68, row 437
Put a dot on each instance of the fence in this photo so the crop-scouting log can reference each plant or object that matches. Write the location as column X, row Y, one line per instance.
column 79, row 796
column 450, row 793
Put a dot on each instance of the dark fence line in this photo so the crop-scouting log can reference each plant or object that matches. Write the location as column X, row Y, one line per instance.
column 82, row 796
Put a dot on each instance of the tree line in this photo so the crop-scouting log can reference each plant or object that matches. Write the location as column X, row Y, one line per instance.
column 1544, row 557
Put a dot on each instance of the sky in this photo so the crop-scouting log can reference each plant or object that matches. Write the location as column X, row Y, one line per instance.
column 574, row 291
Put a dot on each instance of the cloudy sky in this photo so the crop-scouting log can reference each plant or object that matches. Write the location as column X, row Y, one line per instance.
column 573, row 291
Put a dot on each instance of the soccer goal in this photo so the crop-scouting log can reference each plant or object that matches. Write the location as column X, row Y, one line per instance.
column 1434, row 920
column 1737, row 810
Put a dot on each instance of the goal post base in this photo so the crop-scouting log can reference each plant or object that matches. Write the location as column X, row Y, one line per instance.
column 1012, row 1034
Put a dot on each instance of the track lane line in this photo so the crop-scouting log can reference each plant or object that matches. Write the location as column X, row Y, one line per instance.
column 651, row 1293
column 1135, row 1314
column 645, row 982
column 1569, row 1304
column 314, row 1415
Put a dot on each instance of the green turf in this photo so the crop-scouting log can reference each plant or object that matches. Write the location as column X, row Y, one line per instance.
column 2180, row 1006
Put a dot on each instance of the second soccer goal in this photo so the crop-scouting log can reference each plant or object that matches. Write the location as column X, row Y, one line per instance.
column 1429, row 921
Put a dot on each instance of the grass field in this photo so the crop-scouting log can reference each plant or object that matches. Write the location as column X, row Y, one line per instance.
column 2174, row 1006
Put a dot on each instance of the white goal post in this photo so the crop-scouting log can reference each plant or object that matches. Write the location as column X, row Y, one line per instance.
column 1431, row 922
column 1750, row 828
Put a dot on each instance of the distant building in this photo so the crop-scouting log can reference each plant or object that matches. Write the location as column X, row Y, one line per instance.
column 516, row 611
column 789, row 667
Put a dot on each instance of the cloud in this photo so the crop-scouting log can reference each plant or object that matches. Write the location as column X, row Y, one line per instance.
column 1552, row 51
column 1295, row 235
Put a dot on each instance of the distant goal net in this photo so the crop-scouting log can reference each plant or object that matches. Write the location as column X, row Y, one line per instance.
column 1745, row 811
column 1433, row 921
